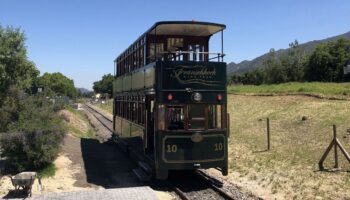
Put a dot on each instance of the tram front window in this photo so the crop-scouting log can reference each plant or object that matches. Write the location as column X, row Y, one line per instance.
column 196, row 116
column 176, row 118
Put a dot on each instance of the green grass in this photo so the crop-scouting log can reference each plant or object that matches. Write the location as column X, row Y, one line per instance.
column 80, row 134
column 77, row 132
column 316, row 88
column 47, row 171
column 81, row 114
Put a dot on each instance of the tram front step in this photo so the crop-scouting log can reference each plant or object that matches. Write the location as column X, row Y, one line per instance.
column 145, row 167
column 123, row 145
column 135, row 155
column 142, row 175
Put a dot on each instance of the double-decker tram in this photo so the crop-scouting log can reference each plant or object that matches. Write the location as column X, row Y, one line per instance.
column 170, row 99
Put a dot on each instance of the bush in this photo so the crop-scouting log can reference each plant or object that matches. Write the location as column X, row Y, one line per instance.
column 58, row 105
column 33, row 141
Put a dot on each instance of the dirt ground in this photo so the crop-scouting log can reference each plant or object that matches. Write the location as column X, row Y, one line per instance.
column 63, row 181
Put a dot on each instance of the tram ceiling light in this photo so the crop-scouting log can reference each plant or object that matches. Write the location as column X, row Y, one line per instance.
column 170, row 97
column 219, row 97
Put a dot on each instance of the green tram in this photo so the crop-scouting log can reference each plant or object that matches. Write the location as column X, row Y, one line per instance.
column 170, row 99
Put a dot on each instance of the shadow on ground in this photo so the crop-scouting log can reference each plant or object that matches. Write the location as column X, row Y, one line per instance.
column 106, row 165
column 16, row 194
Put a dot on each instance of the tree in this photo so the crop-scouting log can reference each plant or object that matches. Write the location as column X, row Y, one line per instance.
column 293, row 63
column 327, row 61
column 105, row 85
column 56, row 84
column 273, row 69
column 15, row 68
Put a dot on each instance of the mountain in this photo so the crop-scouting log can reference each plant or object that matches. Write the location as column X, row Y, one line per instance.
column 83, row 90
column 246, row 65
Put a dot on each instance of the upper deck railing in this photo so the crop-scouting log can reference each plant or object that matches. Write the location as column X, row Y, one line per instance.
column 189, row 56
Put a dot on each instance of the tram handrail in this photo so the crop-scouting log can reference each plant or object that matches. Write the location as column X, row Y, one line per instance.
column 178, row 53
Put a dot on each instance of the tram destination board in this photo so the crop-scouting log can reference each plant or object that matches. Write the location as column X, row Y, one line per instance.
column 196, row 75
column 182, row 149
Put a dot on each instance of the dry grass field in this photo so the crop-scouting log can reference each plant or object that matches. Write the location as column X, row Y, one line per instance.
column 289, row 170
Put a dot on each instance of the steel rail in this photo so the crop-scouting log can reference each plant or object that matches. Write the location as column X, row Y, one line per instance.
column 95, row 111
column 213, row 183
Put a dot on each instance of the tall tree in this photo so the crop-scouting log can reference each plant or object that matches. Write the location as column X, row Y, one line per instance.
column 293, row 62
column 274, row 72
column 105, row 85
column 15, row 67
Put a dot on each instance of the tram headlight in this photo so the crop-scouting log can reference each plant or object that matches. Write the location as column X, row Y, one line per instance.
column 197, row 96
column 219, row 97
column 170, row 97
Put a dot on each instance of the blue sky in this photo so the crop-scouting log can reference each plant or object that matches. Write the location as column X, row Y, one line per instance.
column 81, row 38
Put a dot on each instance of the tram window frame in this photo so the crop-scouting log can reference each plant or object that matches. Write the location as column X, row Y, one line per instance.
column 156, row 51
column 178, row 124
column 219, row 117
column 202, row 118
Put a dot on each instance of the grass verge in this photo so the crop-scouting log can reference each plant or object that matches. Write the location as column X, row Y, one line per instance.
column 108, row 106
column 316, row 88
column 78, row 123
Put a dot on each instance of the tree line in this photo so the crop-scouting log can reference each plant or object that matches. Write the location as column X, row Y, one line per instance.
column 325, row 64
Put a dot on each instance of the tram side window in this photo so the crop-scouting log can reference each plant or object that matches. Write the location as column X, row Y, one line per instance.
column 160, row 50
column 175, row 118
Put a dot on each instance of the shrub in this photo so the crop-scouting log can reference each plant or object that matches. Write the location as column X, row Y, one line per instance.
column 33, row 141
column 58, row 105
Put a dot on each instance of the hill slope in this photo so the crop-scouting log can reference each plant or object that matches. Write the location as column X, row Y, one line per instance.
column 244, row 66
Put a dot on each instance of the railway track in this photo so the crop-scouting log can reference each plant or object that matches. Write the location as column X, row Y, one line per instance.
column 104, row 120
column 199, row 185
column 192, row 185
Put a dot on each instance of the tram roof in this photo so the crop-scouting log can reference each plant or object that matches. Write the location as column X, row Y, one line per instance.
column 185, row 28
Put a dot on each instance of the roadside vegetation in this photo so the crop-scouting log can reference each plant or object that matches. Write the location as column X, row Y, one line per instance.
column 301, row 130
column 78, row 123
column 31, row 129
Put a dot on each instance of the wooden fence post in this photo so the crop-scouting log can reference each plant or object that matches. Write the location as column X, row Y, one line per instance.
column 334, row 143
column 336, row 165
column 268, row 133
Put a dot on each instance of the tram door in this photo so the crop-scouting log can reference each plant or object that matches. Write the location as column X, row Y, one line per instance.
column 149, row 101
